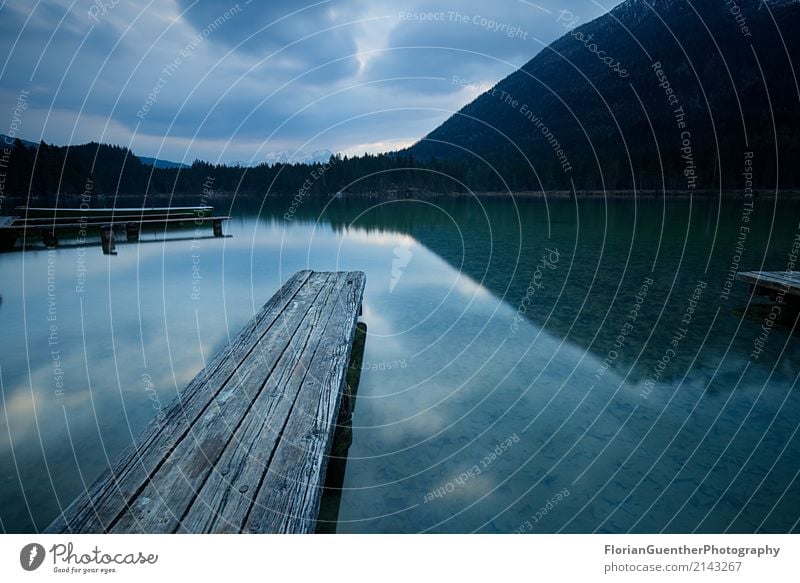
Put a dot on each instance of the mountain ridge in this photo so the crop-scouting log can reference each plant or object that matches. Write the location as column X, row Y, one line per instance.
column 620, row 132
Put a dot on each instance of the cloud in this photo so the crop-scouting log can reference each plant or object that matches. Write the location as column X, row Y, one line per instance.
column 221, row 80
column 295, row 36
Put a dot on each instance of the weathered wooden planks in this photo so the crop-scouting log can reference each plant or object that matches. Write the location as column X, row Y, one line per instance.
column 785, row 282
column 288, row 499
column 244, row 447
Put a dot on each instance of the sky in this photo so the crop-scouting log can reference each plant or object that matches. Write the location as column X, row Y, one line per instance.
column 232, row 81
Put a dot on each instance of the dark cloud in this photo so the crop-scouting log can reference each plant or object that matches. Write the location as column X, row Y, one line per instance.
column 301, row 35
column 263, row 76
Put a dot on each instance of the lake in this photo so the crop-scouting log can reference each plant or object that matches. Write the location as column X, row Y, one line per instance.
column 531, row 365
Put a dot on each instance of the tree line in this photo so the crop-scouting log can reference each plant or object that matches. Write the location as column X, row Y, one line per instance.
column 47, row 172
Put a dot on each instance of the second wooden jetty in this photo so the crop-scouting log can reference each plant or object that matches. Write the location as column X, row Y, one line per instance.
column 244, row 447
column 773, row 283
column 49, row 223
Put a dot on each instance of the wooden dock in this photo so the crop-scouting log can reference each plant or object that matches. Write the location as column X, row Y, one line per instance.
column 773, row 283
column 50, row 223
column 245, row 446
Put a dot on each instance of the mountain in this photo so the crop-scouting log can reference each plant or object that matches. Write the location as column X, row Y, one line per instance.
column 655, row 94
column 155, row 162
column 158, row 163
column 44, row 169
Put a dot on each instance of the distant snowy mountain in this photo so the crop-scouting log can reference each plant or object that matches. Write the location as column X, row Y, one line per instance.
column 285, row 157
column 297, row 157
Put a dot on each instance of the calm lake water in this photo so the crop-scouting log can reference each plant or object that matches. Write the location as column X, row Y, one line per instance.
column 559, row 366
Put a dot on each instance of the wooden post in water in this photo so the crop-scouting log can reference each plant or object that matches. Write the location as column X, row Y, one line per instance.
column 49, row 239
column 132, row 231
column 107, row 240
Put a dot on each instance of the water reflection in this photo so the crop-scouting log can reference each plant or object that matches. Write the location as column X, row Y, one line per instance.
column 473, row 413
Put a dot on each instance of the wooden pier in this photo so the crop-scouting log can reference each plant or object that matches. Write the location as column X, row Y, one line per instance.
column 48, row 224
column 773, row 283
column 245, row 446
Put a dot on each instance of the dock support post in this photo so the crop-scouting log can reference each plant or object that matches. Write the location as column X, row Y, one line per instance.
column 343, row 438
column 218, row 228
column 49, row 239
column 132, row 231
column 107, row 240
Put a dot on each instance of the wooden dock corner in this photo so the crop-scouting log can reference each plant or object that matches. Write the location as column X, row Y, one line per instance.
column 783, row 284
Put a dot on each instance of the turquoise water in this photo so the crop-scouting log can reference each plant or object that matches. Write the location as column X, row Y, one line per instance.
column 531, row 366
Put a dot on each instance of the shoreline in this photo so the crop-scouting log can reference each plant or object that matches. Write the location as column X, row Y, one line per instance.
column 601, row 194
column 12, row 201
